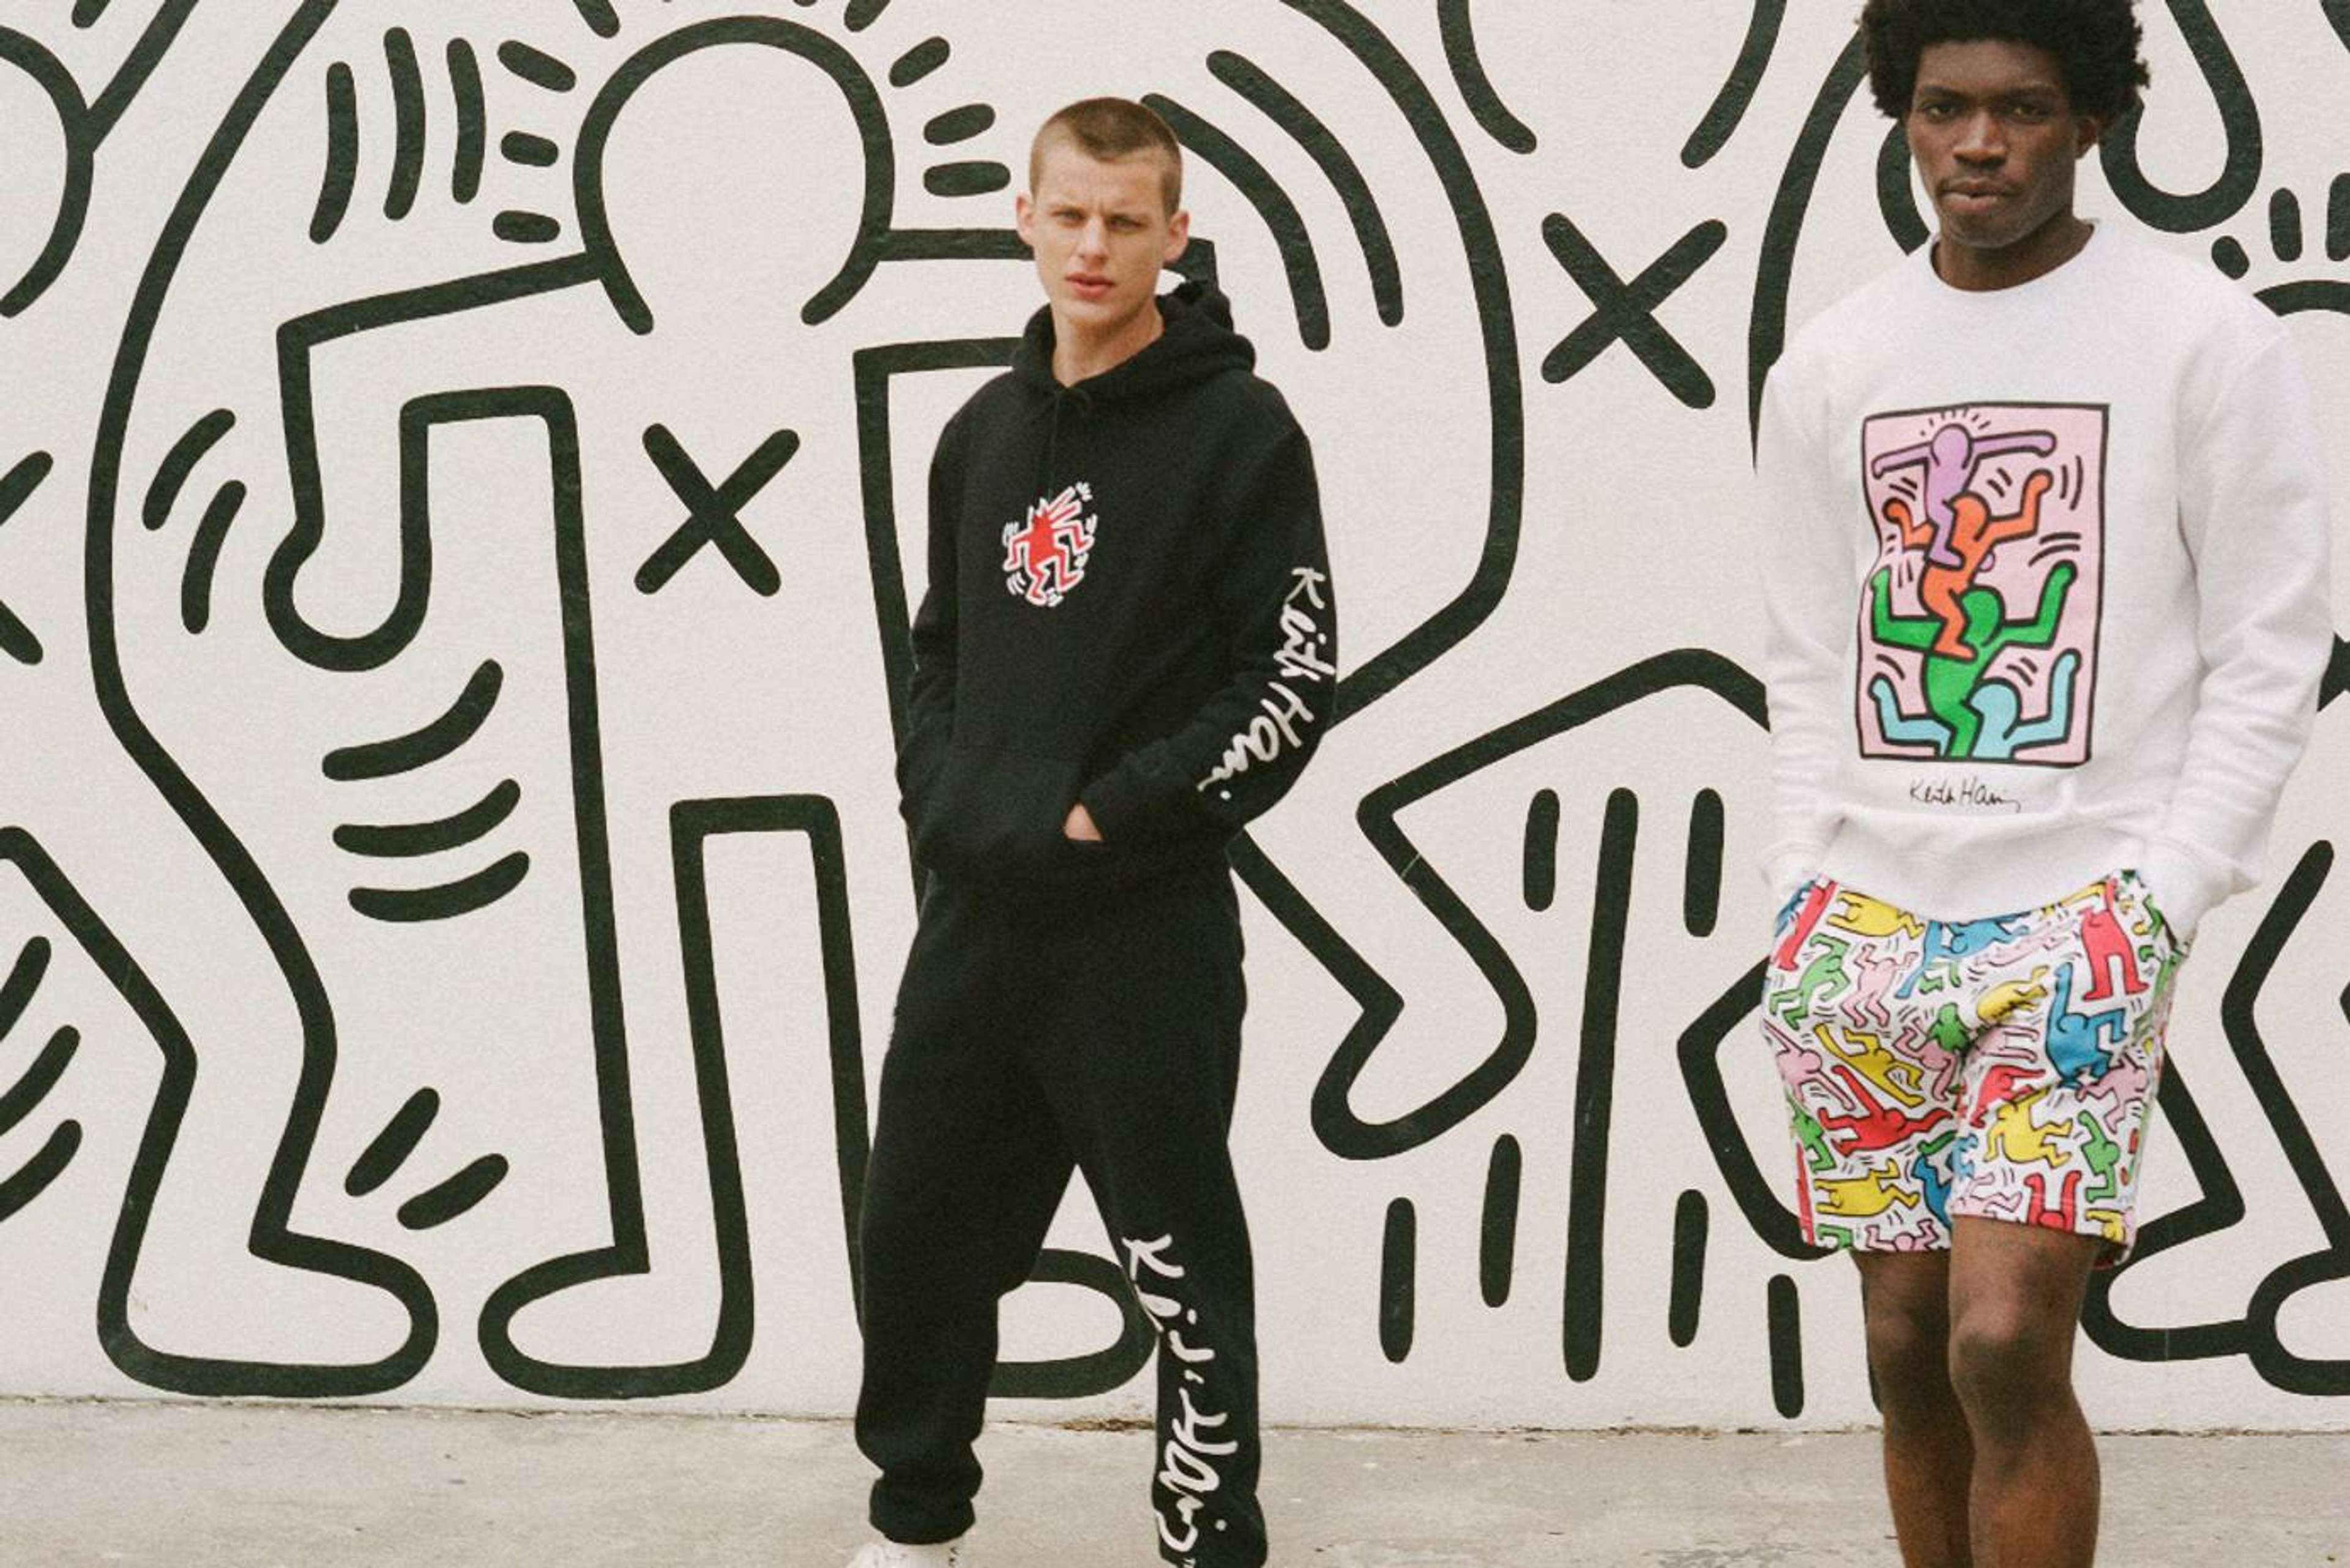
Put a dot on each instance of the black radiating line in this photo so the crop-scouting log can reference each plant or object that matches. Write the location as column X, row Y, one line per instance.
column 1595, row 1090
column 452, row 832
column 203, row 556
column 438, row 1204
column 1340, row 169
column 1896, row 199
column 408, row 122
column 17, row 486
column 536, row 67
column 1272, row 205
column 973, row 179
column 472, row 135
column 1701, row 877
column 16, row 639
column 533, row 151
column 1690, row 1217
column 1399, row 1268
column 2285, row 225
column 23, row 980
column 1497, row 1239
column 1786, row 1330
column 86, row 13
column 958, row 124
column 2329, row 294
column 525, row 228
column 33, row 1178
column 1485, row 105
column 2337, row 215
column 342, row 153
column 599, row 16
column 2229, row 256
column 390, row 1149
column 171, row 474
column 20, row 1100
column 446, row 900
column 1540, row 872
column 863, row 13
column 405, row 753
column 918, row 62
column 1730, row 105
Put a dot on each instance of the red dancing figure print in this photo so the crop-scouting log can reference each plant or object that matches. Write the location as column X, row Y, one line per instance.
column 2109, row 947
column 1878, row 1125
column 1044, row 554
column 1816, row 899
column 2062, row 1214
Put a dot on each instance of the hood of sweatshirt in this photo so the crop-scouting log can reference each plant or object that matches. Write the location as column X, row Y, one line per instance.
column 1198, row 343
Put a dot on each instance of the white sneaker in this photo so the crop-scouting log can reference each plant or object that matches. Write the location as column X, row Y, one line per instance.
column 953, row 1554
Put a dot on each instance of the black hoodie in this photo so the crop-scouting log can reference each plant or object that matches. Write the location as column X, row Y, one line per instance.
column 1128, row 605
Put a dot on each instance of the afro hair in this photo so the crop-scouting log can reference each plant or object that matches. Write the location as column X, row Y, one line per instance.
column 2095, row 42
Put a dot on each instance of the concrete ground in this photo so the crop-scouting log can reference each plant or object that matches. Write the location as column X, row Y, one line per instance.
column 209, row 1486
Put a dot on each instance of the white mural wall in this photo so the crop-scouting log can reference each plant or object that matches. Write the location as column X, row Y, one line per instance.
column 459, row 506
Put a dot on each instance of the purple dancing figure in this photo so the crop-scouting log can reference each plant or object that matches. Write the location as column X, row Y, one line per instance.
column 1949, row 458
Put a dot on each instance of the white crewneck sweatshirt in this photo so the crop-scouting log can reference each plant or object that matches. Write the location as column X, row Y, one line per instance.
column 2046, row 569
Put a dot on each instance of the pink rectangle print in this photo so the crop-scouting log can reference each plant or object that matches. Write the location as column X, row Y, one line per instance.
column 1978, row 622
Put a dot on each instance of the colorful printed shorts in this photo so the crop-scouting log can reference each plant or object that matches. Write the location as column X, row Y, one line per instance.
column 2002, row 1068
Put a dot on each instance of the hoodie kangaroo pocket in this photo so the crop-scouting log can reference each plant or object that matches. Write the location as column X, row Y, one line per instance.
column 997, row 815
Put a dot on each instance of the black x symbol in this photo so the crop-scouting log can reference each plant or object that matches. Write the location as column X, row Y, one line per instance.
column 714, row 516
column 1630, row 312
column 16, row 639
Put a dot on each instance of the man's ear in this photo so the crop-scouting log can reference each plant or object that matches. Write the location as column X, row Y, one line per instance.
column 1179, row 238
column 1023, row 219
column 2087, row 131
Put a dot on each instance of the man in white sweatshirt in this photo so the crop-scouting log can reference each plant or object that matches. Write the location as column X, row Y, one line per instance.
column 2045, row 550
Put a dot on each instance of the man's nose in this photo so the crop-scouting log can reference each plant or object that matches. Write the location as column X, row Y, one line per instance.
column 1092, row 240
column 1982, row 139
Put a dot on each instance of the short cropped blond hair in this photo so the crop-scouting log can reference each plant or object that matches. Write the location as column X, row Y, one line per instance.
column 1111, row 128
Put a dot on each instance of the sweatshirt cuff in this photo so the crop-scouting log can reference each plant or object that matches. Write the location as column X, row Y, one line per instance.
column 2182, row 890
column 1119, row 801
column 1788, row 868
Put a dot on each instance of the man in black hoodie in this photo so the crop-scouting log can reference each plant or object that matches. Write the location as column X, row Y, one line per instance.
column 1128, row 648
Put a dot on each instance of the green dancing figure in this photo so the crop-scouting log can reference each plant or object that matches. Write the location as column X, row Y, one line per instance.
column 1952, row 682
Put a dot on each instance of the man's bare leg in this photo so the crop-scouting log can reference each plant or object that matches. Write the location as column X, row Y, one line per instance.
column 2015, row 1309
column 1929, row 1452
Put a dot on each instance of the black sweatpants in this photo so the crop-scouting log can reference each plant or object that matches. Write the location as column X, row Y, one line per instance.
column 1034, row 1037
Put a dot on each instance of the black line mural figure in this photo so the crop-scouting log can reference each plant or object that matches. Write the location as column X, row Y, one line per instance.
column 423, row 863
column 494, row 576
